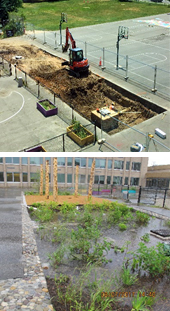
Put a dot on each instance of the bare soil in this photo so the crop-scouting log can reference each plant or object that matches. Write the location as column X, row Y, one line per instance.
column 84, row 94
column 30, row 199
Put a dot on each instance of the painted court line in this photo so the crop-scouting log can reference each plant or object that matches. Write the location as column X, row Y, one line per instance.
column 23, row 102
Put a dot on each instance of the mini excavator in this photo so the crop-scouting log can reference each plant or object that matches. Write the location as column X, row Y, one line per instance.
column 77, row 63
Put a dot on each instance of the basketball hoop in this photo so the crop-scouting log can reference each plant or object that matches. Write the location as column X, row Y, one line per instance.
column 123, row 32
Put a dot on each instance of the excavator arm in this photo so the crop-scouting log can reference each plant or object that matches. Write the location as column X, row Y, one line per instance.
column 68, row 37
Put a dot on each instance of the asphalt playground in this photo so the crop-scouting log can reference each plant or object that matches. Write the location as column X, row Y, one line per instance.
column 22, row 125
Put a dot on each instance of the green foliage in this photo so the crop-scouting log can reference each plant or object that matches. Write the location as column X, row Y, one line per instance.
column 141, row 303
column 58, row 255
column 152, row 260
column 7, row 6
column 67, row 207
column 43, row 214
column 79, row 130
column 122, row 227
column 167, row 223
column 142, row 218
column 127, row 278
column 145, row 237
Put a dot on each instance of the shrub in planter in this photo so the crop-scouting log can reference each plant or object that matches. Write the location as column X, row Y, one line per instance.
column 80, row 134
column 46, row 107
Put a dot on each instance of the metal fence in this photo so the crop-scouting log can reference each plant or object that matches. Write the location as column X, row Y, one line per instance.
column 157, row 197
column 152, row 80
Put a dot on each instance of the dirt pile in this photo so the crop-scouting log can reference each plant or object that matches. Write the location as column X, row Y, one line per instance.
column 84, row 94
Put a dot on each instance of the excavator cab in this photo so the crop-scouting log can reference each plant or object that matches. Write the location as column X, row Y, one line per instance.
column 76, row 55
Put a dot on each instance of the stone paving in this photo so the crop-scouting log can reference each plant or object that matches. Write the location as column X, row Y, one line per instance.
column 30, row 292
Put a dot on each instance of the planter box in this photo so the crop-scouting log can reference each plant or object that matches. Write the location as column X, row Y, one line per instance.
column 89, row 139
column 47, row 113
column 37, row 149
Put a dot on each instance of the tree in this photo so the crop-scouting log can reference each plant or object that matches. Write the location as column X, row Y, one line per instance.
column 7, row 6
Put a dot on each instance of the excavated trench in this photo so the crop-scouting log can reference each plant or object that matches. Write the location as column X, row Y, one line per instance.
column 85, row 94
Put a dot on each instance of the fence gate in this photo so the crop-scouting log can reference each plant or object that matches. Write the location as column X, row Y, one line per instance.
column 151, row 196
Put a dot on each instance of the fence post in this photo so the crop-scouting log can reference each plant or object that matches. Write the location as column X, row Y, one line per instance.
column 126, row 77
column 103, row 67
column 55, row 42
column 63, row 144
column 38, row 89
column 10, row 69
column 154, row 84
column 44, row 38
column 54, row 98
column 139, row 195
column 128, row 192
column 95, row 133
column 85, row 49
column 155, row 196
column 25, row 79
column 15, row 71
column 164, row 197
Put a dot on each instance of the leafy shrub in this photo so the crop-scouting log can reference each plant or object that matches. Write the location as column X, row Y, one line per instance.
column 152, row 260
column 122, row 227
column 43, row 214
column 145, row 237
column 142, row 218
column 127, row 278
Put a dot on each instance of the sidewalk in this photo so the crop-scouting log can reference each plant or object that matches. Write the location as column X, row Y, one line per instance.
column 28, row 292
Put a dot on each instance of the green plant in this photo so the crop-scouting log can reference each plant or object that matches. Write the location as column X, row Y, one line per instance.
column 47, row 105
column 127, row 278
column 151, row 259
column 141, row 303
column 142, row 218
column 122, row 227
column 79, row 130
column 43, row 214
column 145, row 237
column 167, row 223
column 58, row 255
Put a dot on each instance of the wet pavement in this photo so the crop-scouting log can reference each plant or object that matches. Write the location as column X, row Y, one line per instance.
column 10, row 234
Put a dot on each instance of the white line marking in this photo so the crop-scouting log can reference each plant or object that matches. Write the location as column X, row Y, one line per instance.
column 23, row 102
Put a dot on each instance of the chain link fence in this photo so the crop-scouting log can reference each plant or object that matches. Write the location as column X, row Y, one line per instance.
column 157, row 197
column 130, row 69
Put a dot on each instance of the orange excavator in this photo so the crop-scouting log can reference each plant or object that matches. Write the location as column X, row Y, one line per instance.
column 77, row 63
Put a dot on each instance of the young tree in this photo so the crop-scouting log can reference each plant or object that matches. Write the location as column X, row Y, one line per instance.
column 7, row 6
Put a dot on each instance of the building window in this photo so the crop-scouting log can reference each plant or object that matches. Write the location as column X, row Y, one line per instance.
column 99, row 179
column 134, row 181
column 117, row 180
column 36, row 161
column 126, row 181
column 61, row 161
column 61, row 178
column 108, row 180
column 100, row 163
column 118, row 165
column 1, row 160
column 136, row 166
column 10, row 160
column 69, row 178
column 90, row 161
column 24, row 161
column 80, row 161
column 109, row 164
column 82, row 179
column 25, row 177
column 13, row 177
column 1, row 176
column 127, row 165
column 34, row 177
column 69, row 161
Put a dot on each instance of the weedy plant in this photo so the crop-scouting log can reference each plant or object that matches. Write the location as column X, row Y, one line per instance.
column 142, row 302
column 127, row 278
column 43, row 214
column 142, row 218
column 122, row 227
column 146, row 237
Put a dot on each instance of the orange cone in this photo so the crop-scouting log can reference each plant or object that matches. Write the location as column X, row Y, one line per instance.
column 100, row 62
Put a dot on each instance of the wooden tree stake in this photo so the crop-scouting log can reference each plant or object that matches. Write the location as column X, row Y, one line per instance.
column 55, row 184
column 41, row 179
column 47, row 179
column 91, row 180
column 77, row 180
